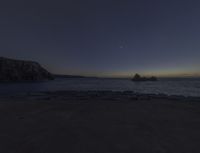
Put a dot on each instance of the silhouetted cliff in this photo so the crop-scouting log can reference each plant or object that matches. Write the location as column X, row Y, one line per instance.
column 19, row 70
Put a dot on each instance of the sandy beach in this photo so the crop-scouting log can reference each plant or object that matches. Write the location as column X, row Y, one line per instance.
column 99, row 122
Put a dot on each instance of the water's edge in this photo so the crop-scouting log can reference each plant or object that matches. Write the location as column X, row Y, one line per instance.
column 181, row 87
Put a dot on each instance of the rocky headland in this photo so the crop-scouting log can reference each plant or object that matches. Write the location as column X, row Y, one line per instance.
column 20, row 70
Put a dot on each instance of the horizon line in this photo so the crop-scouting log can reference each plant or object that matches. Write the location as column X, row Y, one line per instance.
column 129, row 76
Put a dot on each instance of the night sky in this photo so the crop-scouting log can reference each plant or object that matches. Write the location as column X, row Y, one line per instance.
column 104, row 37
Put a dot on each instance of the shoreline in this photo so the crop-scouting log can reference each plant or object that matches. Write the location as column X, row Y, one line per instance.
column 99, row 121
column 101, row 93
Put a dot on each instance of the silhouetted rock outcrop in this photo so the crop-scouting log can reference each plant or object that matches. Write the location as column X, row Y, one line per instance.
column 18, row 70
column 137, row 77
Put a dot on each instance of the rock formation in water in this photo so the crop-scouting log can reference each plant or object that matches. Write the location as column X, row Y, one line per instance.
column 137, row 77
column 19, row 70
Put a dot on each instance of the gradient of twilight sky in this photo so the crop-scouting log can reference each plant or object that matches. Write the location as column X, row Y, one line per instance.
column 104, row 37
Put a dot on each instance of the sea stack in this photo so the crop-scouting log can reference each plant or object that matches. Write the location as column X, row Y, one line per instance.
column 138, row 78
column 20, row 70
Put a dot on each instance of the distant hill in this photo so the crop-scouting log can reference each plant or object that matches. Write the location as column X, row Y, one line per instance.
column 67, row 76
column 71, row 76
column 20, row 70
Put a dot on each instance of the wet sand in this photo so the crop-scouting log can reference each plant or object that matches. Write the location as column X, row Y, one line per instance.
column 99, row 122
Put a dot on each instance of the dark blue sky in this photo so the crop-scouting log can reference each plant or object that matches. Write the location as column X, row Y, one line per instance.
column 104, row 37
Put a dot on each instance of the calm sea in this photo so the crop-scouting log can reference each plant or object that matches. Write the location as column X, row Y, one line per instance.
column 181, row 86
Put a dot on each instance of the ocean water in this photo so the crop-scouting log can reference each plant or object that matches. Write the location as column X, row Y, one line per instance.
column 175, row 86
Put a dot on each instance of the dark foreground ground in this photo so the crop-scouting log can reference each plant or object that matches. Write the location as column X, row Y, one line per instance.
column 99, row 122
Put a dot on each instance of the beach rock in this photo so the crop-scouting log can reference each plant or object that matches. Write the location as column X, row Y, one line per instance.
column 138, row 78
column 19, row 70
